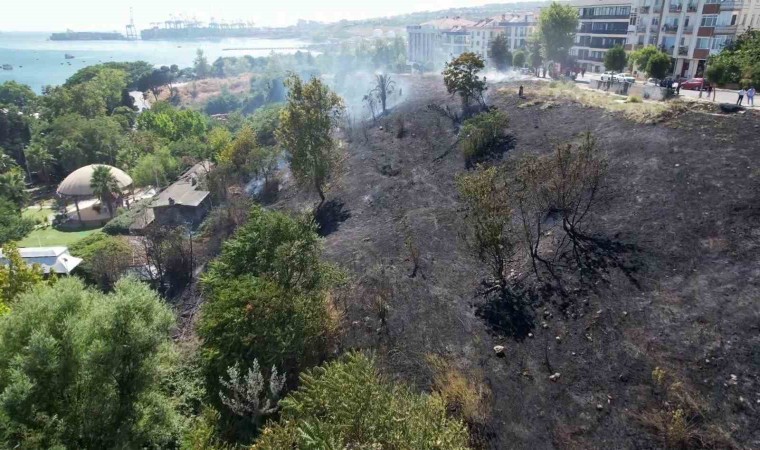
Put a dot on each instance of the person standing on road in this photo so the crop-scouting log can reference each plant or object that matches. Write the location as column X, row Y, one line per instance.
column 741, row 93
column 751, row 96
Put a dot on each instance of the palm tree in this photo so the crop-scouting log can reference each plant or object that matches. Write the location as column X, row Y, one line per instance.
column 13, row 187
column 383, row 87
column 104, row 186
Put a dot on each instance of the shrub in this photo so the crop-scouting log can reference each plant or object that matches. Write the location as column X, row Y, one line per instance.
column 483, row 134
column 81, row 369
column 634, row 99
column 127, row 217
column 348, row 404
column 105, row 259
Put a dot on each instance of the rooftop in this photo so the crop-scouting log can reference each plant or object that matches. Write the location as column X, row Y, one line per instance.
column 184, row 191
column 51, row 259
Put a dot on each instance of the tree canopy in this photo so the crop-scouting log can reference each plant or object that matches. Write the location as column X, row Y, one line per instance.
column 499, row 52
column 739, row 62
column 615, row 59
column 557, row 25
column 461, row 78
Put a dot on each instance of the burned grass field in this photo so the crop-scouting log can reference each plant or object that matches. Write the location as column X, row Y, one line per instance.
column 666, row 354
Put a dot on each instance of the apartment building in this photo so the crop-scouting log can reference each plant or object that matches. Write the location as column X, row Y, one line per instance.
column 603, row 24
column 688, row 30
column 432, row 43
column 516, row 27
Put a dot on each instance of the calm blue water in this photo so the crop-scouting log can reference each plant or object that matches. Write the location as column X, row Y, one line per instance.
column 37, row 61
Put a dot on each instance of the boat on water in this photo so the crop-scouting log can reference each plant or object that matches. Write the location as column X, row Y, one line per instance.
column 7, row 67
column 70, row 35
column 69, row 56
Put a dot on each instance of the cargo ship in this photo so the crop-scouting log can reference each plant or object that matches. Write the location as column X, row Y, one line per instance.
column 87, row 36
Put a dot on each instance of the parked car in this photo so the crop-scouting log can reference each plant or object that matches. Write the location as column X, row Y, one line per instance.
column 695, row 84
column 608, row 76
column 624, row 78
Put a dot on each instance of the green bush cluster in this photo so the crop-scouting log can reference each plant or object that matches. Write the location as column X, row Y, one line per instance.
column 483, row 133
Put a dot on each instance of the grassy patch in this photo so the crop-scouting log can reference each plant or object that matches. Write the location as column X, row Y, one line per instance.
column 47, row 237
column 38, row 214
column 637, row 111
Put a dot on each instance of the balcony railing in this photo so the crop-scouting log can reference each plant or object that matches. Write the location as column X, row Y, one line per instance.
column 669, row 28
column 657, row 9
column 688, row 29
column 683, row 50
column 590, row 31
column 591, row 58
column 730, row 5
column 675, row 8
column 724, row 29
column 644, row 9
column 692, row 7
column 641, row 29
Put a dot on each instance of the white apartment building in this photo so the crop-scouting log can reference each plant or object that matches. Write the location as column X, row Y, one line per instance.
column 430, row 44
column 603, row 24
column 516, row 27
column 688, row 30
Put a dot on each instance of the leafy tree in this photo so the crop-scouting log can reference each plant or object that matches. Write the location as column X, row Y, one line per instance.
column 16, row 277
column 155, row 80
column 236, row 153
column 557, row 25
column 348, row 404
column 640, row 58
column 720, row 71
column 105, row 259
column 483, row 133
column 200, row 65
column 13, row 187
column 15, row 131
column 250, row 396
column 157, row 169
column 75, row 142
column 384, row 86
column 487, row 199
column 133, row 69
column 535, row 53
column 40, row 160
column 105, row 186
column 13, row 226
column 658, row 65
column 461, row 77
column 82, row 369
column 518, row 59
column 499, row 51
column 219, row 138
column 739, row 59
column 264, row 123
column 271, row 245
column 17, row 94
column 305, row 131
column 223, row 103
column 615, row 59
column 171, row 123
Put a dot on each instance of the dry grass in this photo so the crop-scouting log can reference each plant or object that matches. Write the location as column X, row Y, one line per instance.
column 464, row 396
column 198, row 93
column 682, row 419
column 637, row 111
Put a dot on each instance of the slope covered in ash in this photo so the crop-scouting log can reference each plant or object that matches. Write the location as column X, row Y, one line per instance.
column 683, row 334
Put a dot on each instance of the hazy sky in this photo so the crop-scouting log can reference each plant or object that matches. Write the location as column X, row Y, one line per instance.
column 107, row 15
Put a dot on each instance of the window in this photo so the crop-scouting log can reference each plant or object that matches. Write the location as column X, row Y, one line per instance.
column 718, row 43
column 703, row 42
column 709, row 21
column 733, row 19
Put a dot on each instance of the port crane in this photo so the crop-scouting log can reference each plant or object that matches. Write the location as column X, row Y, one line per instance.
column 131, row 29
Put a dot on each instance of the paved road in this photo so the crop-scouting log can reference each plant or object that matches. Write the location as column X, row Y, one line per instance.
column 721, row 95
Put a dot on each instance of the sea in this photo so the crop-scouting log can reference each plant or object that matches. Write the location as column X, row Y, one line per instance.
column 38, row 61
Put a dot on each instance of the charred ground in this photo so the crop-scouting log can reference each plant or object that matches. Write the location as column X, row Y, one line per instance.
column 682, row 194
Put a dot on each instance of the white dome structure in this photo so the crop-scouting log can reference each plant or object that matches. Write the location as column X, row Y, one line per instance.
column 77, row 184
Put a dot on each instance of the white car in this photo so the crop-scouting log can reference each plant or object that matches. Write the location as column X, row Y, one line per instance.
column 624, row 77
column 608, row 76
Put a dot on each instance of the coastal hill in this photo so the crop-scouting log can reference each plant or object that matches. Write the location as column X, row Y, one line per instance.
column 664, row 354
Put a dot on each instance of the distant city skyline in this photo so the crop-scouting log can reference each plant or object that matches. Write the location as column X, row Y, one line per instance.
column 89, row 15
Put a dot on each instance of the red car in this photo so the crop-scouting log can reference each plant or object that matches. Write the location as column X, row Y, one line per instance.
column 695, row 84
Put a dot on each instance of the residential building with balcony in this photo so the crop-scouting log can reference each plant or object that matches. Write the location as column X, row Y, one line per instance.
column 688, row 30
column 434, row 42
column 516, row 27
column 603, row 24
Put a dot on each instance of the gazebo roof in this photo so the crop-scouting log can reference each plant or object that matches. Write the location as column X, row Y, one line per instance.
column 77, row 184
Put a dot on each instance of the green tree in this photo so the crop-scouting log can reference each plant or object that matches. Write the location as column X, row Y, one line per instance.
column 82, row 369
column 384, row 86
column 658, row 65
column 200, row 65
column 105, row 186
column 615, row 59
column 518, row 59
column 105, row 259
column 461, row 77
column 171, row 123
column 720, row 71
column 17, row 94
column 13, row 226
column 40, row 160
column 535, row 53
column 640, row 58
column 13, row 187
column 16, row 277
column 557, row 25
column 265, row 122
column 235, row 155
column 499, row 51
column 305, row 131
column 157, row 169
column 349, row 404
